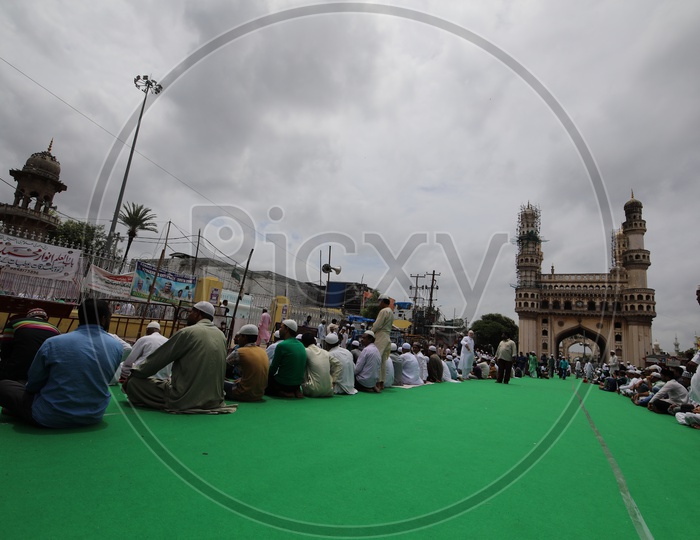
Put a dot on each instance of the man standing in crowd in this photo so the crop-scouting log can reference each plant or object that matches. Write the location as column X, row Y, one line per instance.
column 505, row 354
column 614, row 363
column 264, row 328
column 382, row 333
column 67, row 383
column 466, row 359
column 288, row 364
column 198, row 355
column 20, row 341
column 253, row 364
column 321, row 332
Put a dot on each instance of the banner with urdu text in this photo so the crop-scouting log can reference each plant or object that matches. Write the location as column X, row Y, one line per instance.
column 28, row 257
column 114, row 285
column 170, row 287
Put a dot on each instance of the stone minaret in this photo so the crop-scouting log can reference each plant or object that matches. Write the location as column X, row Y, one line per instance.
column 639, row 305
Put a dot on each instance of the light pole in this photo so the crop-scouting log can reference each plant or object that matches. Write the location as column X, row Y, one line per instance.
column 146, row 85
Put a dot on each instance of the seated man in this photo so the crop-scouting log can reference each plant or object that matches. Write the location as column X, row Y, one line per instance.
column 395, row 361
column 68, row 380
column 198, row 355
column 435, row 369
column 674, row 392
column 654, row 383
column 410, row 369
column 388, row 373
column 421, row 359
column 342, row 366
column 251, row 360
column 368, row 364
column 355, row 350
column 19, row 342
column 633, row 380
column 288, row 364
column 449, row 362
column 272, row 346
column 317, row 379
column 142, row 348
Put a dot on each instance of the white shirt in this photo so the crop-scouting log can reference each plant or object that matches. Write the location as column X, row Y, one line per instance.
column 317, row 380
column 271, row 351
column 321, row 332
column 410, row 369
column 343, row 371
column 423, row 365
column 467, row 350
column 389, row 373
column 367, row 367
column 142, row 348
column 672, row 391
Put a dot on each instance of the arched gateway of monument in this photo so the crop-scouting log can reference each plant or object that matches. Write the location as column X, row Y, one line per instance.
column 605, row 312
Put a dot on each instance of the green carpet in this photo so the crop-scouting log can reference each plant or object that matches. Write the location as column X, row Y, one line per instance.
column 474, row 459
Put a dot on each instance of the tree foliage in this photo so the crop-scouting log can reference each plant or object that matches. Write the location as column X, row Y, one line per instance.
column 489, row 329
column 371, row 309
column 689, row 354
column 136, row 218
column 81, row 235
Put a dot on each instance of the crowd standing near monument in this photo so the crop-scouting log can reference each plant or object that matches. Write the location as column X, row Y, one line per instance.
column 58, row 381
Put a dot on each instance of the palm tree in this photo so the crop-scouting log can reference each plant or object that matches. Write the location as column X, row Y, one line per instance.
column 136, row 217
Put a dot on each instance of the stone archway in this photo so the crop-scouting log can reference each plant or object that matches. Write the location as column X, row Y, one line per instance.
column 591, row 337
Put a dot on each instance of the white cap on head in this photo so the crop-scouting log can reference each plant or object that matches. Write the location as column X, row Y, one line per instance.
column 432, row 348
column 384, row 297
column 154, row 324
column 449, row 357
column 331, row 339
column 406, row 346
column 369, row 333
column 299, row 337
column 205, row 307
column 393, row 346
column 277, row 334
column 355, row 343
column 291, row 324
column 249, row 330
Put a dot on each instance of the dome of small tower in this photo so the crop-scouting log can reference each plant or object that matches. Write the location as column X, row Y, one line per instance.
column 632, row 205
column 44, row 164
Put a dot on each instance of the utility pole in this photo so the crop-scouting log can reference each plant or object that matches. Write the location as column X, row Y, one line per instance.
column 433, row 286
column 415, row 289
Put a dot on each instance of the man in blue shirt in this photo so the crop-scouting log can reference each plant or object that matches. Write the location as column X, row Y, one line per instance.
column 68, row 380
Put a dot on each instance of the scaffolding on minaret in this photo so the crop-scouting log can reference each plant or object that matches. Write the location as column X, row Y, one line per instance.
column 529, row 255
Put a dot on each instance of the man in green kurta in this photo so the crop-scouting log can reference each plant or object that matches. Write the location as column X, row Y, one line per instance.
column 288, row 365
column 198, row 355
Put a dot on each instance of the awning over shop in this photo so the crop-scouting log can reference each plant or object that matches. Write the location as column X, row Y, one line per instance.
column 402, row 324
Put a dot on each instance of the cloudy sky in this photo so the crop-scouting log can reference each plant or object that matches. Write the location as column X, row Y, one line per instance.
column 399, row 137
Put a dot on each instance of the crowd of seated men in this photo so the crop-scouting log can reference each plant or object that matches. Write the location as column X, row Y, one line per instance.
column 661, row 389
column 52, row 380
